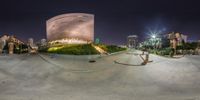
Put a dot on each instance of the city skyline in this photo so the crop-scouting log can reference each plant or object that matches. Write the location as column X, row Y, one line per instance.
column 99, row 50
column 115, row 20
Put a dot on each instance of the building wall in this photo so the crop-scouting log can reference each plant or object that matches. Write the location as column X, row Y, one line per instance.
column 132, row 41
column 30, row 41
column 178, row 37
column 75, row 27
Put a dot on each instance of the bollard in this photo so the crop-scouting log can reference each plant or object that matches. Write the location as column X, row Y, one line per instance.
column 146, row 59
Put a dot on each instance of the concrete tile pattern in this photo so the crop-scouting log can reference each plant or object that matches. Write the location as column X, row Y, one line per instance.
column 43, row 77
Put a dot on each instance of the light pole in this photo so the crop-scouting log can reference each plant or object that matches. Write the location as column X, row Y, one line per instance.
column 153, row 38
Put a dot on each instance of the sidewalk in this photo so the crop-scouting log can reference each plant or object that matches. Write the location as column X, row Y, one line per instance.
column 130, row 59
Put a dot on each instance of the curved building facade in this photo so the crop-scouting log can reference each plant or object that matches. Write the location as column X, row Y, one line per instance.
column 73, row 28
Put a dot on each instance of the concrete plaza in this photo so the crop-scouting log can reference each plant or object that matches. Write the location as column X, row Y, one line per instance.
column 46, row 77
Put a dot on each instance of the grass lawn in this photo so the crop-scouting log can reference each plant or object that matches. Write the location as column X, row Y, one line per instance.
column 111, row 48
column 73, row 49
column 80, row 49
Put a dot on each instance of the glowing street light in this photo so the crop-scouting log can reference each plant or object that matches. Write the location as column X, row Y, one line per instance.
column 153, row 36
column 153, row 40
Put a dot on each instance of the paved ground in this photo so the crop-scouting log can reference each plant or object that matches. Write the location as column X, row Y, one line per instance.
column 34, row 77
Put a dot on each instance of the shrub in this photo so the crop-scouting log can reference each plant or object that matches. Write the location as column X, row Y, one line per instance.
column 43, row 49
column 166, row 51
column 111, row 48
column 163, row 51
column 76, row 49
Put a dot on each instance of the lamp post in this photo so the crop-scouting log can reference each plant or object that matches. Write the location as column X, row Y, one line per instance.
column 153, row 38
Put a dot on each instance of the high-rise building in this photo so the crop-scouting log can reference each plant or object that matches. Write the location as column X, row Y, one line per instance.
column 132, row 41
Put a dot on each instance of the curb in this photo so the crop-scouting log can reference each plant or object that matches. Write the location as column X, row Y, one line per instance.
column 170, row 57
column 127, row 64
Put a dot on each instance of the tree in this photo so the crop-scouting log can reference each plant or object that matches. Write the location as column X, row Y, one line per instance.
column 165, row 43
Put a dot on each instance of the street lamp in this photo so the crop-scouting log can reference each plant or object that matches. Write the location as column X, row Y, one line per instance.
column 153, row 36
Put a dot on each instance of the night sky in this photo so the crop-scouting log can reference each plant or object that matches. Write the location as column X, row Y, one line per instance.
column 114, row 19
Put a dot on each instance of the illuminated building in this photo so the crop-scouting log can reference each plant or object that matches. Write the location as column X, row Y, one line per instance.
column 32, row 48
column 10, row 41
column 43, row 42
column 132, row 41
column 176, row 39
column 30, row 41
column 73, row 28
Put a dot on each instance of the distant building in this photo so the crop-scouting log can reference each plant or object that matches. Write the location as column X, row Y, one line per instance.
column 3, row 41
column 4, row 38
column 132, row 41
column 32, row 48
column 43, row 42
column 1, row 46
column 176, row 39
column 198, row 45
column 197, row 50
column 30, row 41
column 11, row 41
